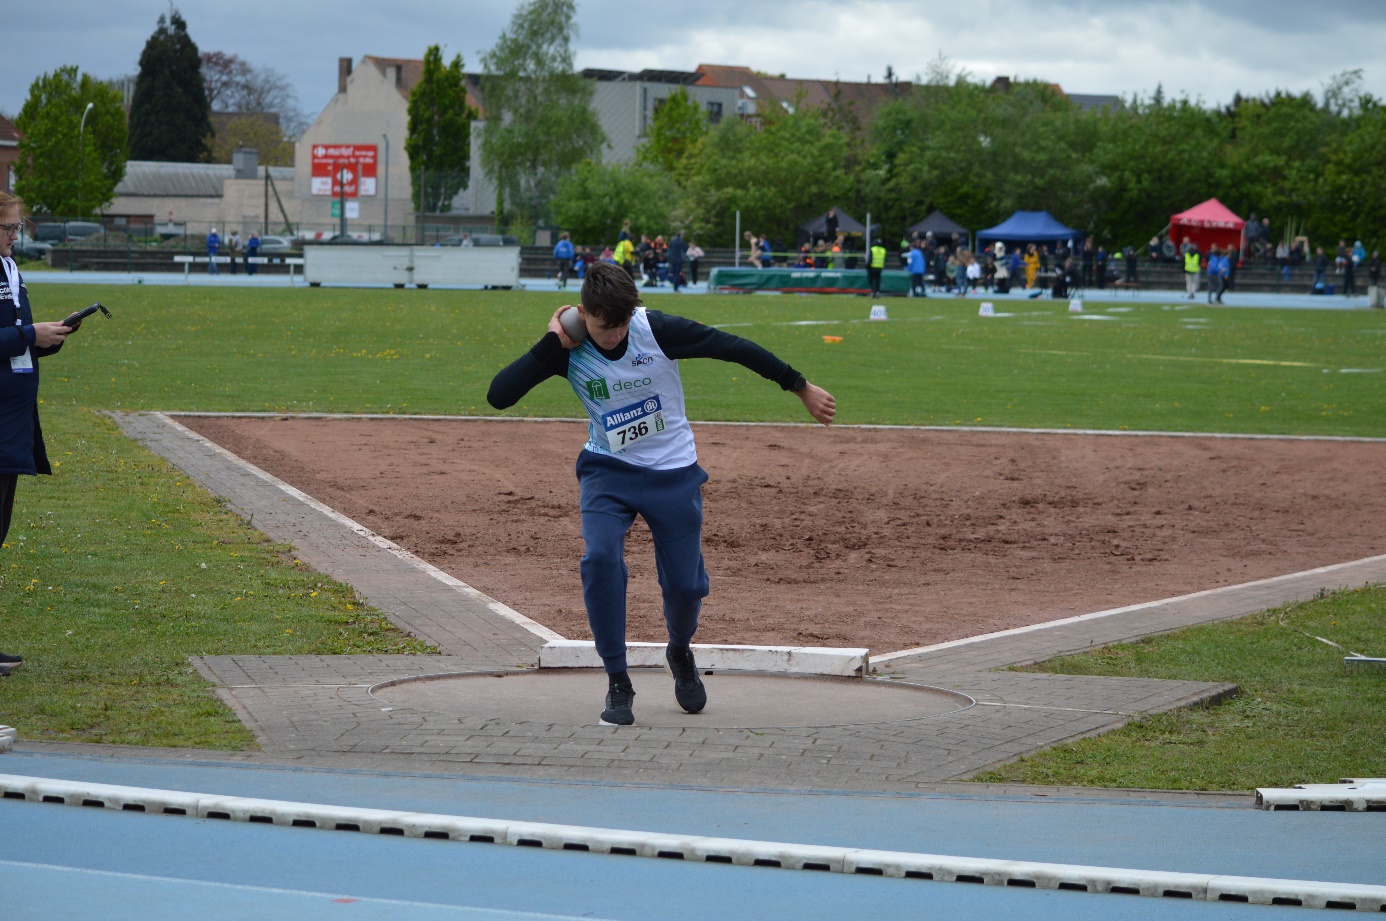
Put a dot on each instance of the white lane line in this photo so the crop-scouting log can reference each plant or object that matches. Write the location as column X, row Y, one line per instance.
column 453, row 582
column 275, row 890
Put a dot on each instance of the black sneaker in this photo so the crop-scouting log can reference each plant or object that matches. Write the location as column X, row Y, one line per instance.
column 618, row 712
column 10, row 661
column 688, row 687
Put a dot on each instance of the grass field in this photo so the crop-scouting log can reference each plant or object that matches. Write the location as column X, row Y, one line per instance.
column 117, row 569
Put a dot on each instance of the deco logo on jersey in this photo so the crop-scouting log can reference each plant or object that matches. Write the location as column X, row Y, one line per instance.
column 599, row 389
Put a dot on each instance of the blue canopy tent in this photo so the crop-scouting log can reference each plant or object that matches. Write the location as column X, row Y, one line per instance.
column 1029, row 227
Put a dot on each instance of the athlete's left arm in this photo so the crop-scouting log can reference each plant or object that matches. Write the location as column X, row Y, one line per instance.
column 679, row 337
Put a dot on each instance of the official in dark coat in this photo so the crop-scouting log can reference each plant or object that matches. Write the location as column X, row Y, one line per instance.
column 22, row 343
column 677, row 251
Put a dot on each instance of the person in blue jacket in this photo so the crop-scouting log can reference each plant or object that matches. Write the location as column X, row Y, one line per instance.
column 563, row 255
column 917, row 268
column 213, row 245
column 22, row 343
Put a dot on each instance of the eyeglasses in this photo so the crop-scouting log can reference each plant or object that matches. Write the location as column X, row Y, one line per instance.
column 12, row 229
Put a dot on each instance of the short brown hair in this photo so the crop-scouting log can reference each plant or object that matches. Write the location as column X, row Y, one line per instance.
column 7, row 201
column 609, row 295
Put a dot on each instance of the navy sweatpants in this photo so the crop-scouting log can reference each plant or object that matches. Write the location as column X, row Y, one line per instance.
column 613, row 492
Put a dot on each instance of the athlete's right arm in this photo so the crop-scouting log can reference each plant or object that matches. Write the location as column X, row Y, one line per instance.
column 547, row 359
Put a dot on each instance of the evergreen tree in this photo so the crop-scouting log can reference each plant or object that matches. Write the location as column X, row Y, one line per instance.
column 67, row 166
column 539, row 120
column 170, row 118
column 439, row 141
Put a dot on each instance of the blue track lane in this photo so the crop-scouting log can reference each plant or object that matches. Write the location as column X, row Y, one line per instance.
column 65, row 861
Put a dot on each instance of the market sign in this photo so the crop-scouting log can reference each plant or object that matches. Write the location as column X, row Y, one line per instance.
column 343, row 170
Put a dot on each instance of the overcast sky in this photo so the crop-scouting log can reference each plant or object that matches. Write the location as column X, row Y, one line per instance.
column 1207, row 50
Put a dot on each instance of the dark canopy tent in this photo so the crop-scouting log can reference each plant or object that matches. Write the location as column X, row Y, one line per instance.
column 818, row 226
column 1029, row 227
column 938, row 224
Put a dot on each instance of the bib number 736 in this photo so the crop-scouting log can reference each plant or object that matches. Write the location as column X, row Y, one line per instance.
column 629, row 424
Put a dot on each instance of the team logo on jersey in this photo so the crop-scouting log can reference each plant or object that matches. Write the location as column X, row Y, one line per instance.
column 596, row 389
column 641, row 359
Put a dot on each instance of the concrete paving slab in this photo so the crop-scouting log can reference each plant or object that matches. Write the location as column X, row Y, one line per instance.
column 735, row 700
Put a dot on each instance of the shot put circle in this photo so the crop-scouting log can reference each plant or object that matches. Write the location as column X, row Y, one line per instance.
column 736, row 700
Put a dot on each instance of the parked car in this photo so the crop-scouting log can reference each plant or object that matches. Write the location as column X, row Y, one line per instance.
column 55, row 233
column 26, row 247
column 275, row 245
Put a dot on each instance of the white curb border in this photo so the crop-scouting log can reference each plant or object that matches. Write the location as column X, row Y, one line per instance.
column 492, row 604
column 794, row 660
column 1352, row 794
column 741, row 852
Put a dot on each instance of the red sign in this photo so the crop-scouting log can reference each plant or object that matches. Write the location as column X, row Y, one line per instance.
column 345, row 170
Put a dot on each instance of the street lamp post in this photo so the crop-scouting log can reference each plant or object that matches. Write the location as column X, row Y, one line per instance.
column 80, row 129
column 386, row 234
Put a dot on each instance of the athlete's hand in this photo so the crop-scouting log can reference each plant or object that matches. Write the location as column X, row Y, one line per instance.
column 819, row 403
column 557, row 327
column 49, row 334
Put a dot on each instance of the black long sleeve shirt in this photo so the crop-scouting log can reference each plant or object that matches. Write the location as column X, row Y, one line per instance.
column 676, row 336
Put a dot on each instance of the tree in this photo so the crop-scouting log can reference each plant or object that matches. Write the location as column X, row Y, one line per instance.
column 675, row 134
column 260, row 130
column 1352, row 205
column 777, row 175
column 67, row 167
column 439, row 140
column 595, row 198
column 170, row 117
column 539, row 120
column 235, row 85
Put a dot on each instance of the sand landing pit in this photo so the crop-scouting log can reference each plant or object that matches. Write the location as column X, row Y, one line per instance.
column 880, row 538
column 736, row 700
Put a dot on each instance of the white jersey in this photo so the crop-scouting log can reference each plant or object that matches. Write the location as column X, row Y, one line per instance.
column 634, row 404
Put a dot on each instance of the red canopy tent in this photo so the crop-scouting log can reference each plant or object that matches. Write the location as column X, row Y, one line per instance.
column 1206, row 224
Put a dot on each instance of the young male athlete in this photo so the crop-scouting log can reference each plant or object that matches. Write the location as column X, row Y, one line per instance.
column 640, row 460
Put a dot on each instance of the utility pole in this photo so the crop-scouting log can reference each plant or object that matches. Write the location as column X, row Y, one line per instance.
column 386, row 234
column 80, row 129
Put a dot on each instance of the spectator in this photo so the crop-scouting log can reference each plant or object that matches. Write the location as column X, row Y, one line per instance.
column 1374, row 269
column 1359, row 253
column 805, row 258
column 213, row 245
column 625, row 233
column 1089, row 262
column 1100, row 264
column 973, row 273
column 625, row 256
column 1217, row 273
column 1282, row 258
column 695, row 252
column 1231, row 256
column 252, row 252
column 583, row 260
column 1320, row 270
column 645, row 256
column 661, row 260
column 677, row 251
column 1032, row 265
column 563, row 254
column 233, row 248
column 1340, row 255
column 1349, row 277
column 608, row 255
column 466, row 240
column 962, row 262
column 1153, row 249
column 1129, row 265
column 917, row 269
column 830, row 224
column 1003, row 269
